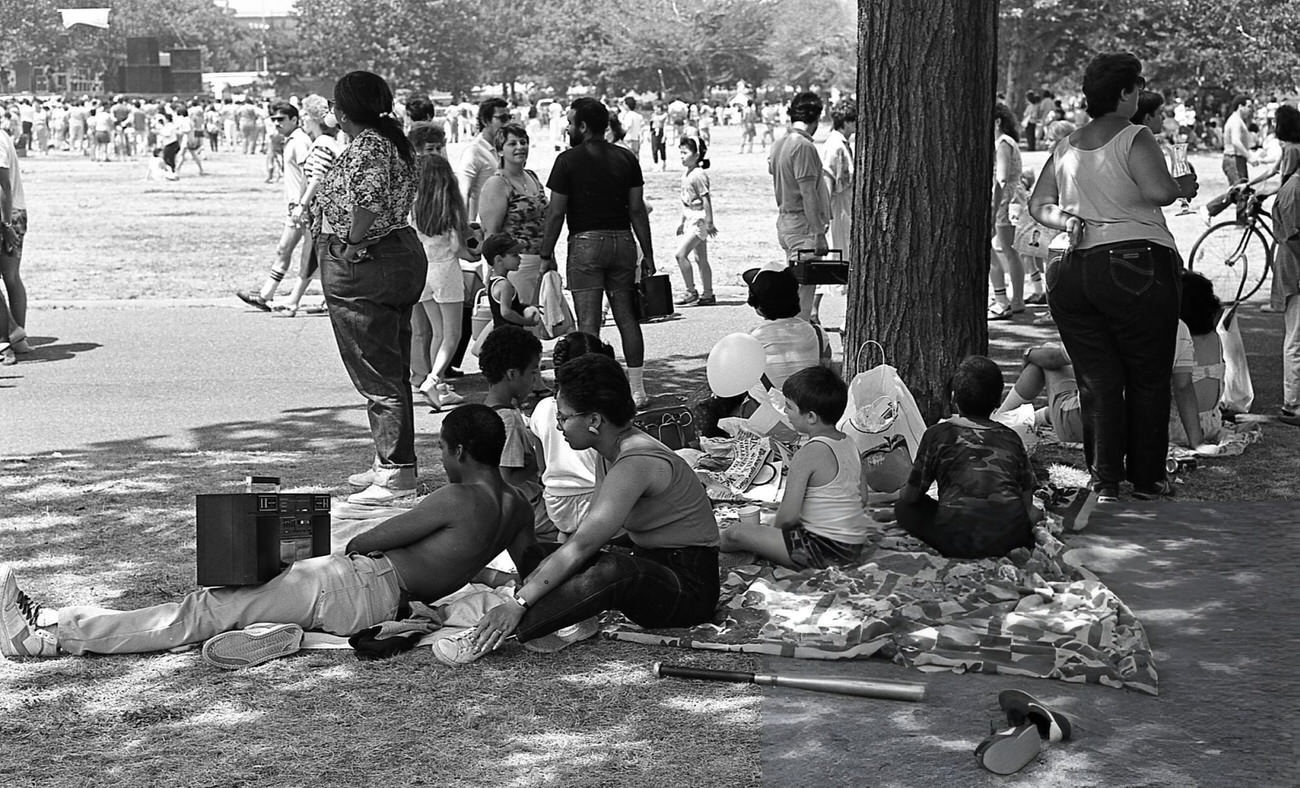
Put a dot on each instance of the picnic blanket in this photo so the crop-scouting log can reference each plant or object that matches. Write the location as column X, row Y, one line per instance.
column 1031, row 614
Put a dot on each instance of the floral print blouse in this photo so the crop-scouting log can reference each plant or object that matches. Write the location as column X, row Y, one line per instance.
column 370, row 174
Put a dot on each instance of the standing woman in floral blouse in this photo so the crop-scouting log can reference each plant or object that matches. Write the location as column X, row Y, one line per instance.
column 372, row 271
column 514, row 202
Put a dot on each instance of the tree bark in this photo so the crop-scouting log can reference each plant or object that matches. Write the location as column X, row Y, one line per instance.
column 921, row 207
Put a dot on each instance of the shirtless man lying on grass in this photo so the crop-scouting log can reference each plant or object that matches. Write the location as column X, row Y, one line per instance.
column 424, row 554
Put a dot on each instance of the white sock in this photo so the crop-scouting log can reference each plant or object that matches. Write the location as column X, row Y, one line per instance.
column 635, row 376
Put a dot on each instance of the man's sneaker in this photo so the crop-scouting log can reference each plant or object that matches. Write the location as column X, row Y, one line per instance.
column 19, row 634
column 253, row 645
column 379, row 495
column 689, row 298
column 564, row 637
column 707, row 300
column 457, row 650
column 1289, row 416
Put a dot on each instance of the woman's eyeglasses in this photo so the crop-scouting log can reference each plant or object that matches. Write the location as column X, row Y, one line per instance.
column 561, row 418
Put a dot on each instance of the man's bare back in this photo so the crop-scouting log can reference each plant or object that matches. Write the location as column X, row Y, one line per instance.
column 451, row 534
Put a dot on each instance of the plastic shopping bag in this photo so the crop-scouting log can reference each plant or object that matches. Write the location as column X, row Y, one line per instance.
column 1238, row 393
column 885, row 424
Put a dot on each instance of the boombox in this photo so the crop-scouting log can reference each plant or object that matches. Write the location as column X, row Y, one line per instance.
column 250, row 537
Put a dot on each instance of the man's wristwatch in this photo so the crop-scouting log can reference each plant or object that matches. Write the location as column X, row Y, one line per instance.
column 523, row 603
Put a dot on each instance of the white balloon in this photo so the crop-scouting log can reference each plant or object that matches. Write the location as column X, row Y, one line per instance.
column 736, row 363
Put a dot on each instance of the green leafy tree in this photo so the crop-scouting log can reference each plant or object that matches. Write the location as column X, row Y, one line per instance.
column 423, row 44
column 814, row 42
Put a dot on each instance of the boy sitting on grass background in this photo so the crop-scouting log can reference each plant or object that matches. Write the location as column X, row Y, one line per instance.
column 986, row 485
column 510, row 359
column 821, row 520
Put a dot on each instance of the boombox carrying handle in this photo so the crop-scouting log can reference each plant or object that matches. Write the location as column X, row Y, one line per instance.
column 863, row 346
column 249, row 481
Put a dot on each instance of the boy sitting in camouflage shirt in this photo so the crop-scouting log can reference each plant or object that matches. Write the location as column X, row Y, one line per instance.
column 986, row 486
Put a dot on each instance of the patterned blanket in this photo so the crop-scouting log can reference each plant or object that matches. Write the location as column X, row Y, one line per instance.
column 1027, row 615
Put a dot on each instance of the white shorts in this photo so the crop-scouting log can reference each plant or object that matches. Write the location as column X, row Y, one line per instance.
column 567, row 511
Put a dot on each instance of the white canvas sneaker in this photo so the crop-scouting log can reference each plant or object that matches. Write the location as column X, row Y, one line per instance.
column 19, row 634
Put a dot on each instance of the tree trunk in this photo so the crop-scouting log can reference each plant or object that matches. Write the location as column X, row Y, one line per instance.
column 921, row 213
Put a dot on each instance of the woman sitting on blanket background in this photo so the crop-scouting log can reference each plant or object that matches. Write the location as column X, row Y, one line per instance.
column 670, row 577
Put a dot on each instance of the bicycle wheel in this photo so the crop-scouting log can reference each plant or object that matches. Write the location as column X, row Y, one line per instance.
column 1234, row 257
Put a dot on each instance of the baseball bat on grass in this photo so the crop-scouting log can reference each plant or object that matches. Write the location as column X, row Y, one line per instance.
column 863, row 688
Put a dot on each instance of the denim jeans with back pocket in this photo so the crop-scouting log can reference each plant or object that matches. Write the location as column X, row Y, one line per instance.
column 1117, row 307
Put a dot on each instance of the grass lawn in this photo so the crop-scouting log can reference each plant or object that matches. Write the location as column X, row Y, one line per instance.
column 113, row 525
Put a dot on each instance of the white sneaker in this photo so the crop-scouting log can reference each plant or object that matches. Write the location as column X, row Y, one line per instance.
column 640, row 399
column 564, row 637
column 457, row 650
column 378, row 495
column 19, row 634
column 253, row 645
column 449, row 396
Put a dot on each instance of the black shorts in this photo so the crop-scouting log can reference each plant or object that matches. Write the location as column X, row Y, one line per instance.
column 811, row 551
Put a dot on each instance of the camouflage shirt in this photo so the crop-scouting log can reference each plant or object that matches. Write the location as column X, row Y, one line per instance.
column 983, row 474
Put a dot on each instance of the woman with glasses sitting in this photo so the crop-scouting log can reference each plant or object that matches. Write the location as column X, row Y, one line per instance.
column 669, row 578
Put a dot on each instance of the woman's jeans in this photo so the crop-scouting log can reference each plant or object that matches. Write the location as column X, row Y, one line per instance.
column 654, row 588
column 338, row 594
column 370, row 309
column 1117, row 307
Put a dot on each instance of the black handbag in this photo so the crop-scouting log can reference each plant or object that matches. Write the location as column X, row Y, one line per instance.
column 655, row 298
column 810, row 268
column 674, row 427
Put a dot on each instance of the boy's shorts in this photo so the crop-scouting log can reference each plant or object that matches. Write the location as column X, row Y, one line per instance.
column 811, row 551
column 1066, row 415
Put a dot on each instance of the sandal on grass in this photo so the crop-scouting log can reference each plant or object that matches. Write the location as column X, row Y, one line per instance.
column 1009, row 751
column 1021, row 707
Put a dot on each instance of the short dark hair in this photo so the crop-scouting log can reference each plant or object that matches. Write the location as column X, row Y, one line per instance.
column 284, row 108
column 1236, row 103
column 977, row 386
column 806, row 107
column 843, row 113
column 817, row 390
column 596, row 384
column 1107, row 76
column 1200, row 304
column 425, row 131
column 589, row 111
column 419, row 108
column 511, row 129
column 775, row 294
column 487, row 109
column 478, row 430
column 1149, row 103
column 506, row 348
column 1006, row 120
column 1287, row 123
column 629, row 102
column 579, row 343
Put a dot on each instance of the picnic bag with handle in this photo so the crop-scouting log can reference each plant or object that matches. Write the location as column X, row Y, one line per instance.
column 885, row 424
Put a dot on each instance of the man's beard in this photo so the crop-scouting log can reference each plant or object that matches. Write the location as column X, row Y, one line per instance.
column 575, row 138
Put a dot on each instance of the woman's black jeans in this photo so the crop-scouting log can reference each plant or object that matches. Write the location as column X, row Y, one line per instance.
column 1117, row 307
column 654, row 588
column 370, row 310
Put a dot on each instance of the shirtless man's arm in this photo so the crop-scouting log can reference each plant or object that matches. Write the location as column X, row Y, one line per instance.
column 431, row 514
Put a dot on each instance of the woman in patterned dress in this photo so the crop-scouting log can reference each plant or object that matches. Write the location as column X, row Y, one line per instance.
column 514, row 202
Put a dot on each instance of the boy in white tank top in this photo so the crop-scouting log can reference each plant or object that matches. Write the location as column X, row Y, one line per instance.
column 821, row 520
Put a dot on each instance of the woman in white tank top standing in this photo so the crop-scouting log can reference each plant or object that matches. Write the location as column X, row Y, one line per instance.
column 1115, row 293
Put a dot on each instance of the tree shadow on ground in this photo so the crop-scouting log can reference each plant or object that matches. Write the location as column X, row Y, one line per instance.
column 113, row 525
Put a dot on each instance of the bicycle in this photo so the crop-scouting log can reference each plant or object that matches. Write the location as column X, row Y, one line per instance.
column 1237, row 254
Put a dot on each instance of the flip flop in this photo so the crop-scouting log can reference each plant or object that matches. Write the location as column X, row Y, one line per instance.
column 1021, row 707
column 1009, row 751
